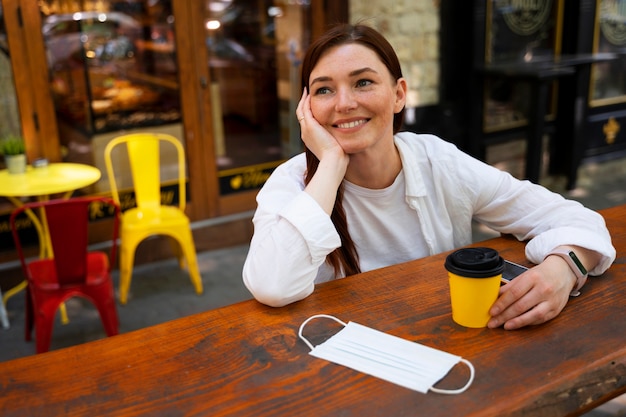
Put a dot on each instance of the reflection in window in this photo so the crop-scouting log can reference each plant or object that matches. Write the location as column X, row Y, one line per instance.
column 254, row 49
column 609, row 78
column 112, row 65
column 516, row 32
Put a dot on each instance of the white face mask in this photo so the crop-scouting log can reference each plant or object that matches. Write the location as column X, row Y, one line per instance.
column 387, row 357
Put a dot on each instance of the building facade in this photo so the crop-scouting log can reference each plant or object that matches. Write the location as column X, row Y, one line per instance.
column 223, row 77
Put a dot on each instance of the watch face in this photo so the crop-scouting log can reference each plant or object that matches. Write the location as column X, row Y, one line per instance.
column 579, row 264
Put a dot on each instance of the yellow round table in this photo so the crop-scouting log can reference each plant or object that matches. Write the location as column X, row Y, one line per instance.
column 55, row 178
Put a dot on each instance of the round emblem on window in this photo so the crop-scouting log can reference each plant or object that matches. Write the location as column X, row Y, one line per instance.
column 524, row 17
column 613, row 22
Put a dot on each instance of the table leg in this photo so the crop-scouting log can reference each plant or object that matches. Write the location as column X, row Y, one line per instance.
column 4, row 318
column 43, row 242
column 11, row 292
column 63, row 310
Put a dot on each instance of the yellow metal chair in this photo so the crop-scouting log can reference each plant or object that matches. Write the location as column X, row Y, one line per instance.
column 150, row 217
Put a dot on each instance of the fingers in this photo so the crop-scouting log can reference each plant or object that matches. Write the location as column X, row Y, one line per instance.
column 515, row 299
column 301, row 110
column 532, row 298
column 316, row 137
column 540, row 313
column 511, row 293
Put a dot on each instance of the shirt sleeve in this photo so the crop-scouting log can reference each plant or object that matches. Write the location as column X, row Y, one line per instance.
column 535, row 214
column 292, row 237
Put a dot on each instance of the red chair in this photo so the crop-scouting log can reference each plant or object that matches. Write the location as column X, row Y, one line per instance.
column 73, row 270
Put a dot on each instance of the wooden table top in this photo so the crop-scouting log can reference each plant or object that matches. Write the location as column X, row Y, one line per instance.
column 246, row 359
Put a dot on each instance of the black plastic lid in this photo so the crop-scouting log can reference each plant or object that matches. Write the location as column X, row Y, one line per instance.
column 475, row 262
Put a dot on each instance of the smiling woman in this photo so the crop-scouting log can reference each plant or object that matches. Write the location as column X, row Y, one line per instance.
column 364, row 195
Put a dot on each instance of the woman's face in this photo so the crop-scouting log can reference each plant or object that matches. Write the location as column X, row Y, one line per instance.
column 354, row 96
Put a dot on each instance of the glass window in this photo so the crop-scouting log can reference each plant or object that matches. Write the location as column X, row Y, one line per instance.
column 254, row 47
column 112, row 65
column 609, row 78
column 521, row 32
column 112, row 70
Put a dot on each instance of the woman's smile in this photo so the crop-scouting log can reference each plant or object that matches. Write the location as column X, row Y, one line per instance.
column 351, row 124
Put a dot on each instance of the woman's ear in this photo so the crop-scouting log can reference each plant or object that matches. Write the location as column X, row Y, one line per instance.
column 400, row 95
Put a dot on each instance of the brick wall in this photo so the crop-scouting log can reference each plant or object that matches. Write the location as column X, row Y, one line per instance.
column 9, row 115
column 412, row 27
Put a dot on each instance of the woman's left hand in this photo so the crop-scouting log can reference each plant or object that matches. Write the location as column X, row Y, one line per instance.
column 534, row 297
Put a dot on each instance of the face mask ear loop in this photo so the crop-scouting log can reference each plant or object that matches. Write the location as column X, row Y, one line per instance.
column 460, row 390
column 315, row 317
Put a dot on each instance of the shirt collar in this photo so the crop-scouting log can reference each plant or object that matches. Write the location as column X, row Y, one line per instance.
column 413, row 175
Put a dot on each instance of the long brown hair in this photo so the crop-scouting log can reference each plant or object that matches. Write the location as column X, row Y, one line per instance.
column 346, row 257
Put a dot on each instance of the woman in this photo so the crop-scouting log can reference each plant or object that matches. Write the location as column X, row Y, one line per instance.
column 364, row 196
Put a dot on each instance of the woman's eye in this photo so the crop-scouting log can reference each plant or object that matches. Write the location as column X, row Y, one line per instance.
column 322, row 90
column 363, row 83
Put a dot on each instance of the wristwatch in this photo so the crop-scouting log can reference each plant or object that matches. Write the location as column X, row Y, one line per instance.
column 576, row 266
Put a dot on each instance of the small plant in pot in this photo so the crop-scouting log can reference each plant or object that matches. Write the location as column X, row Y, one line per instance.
column 13, row 149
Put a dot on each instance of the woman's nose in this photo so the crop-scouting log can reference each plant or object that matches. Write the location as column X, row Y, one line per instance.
column 346, row 101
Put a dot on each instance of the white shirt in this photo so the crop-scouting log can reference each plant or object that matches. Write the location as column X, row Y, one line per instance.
column 444, row 189
column 390, row 235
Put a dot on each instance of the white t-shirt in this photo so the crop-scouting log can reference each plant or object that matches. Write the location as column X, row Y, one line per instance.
column 384, row 235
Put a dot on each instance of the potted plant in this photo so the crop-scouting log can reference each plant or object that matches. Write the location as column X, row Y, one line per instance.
column 14, row 151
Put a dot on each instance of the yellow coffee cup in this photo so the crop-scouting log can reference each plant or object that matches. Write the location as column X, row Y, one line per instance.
column 474, row 275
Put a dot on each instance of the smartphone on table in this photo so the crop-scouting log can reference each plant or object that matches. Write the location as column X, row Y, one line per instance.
column 511, row 270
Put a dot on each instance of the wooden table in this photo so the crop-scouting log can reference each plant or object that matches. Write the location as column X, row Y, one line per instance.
column 247, row 360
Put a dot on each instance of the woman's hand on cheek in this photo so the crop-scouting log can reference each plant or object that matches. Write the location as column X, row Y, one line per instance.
column 316, row 138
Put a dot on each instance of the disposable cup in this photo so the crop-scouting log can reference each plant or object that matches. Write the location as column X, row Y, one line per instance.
column 474, row 275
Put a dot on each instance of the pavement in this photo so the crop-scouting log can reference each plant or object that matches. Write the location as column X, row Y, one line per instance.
column 161, row 291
